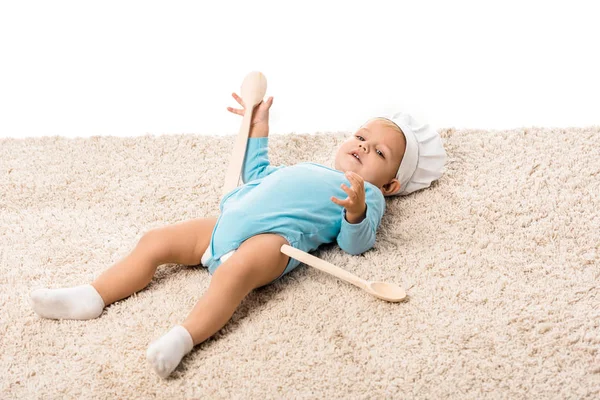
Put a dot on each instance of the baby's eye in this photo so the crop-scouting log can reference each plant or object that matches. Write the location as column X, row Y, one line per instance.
column 378, row 151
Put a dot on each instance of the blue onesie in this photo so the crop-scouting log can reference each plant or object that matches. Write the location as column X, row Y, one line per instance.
column 294, row 202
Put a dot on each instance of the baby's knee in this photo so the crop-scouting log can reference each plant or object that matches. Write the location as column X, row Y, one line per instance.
column 153, row 244
column 235, row 281
column 258, row 261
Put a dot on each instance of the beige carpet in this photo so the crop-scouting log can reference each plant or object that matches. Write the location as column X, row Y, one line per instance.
column 500, row 258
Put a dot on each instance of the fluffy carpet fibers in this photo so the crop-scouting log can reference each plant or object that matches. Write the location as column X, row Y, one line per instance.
column 500, row 259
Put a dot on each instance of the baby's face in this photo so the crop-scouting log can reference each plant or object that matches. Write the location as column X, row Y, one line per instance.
column 380, row 150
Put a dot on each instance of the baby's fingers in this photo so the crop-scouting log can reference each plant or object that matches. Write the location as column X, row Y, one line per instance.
column 339, row 202
column 235, row 111
column 238, row 99
column 350, row 191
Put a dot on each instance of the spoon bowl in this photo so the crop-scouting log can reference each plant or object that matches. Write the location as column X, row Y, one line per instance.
column 386, row 291
column 253, row 89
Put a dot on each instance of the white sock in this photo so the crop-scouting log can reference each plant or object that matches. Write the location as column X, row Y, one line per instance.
column 166, row 353
column 79, row 302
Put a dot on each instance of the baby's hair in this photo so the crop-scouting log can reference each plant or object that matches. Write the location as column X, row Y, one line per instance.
column 390, row 124
column 387, row 123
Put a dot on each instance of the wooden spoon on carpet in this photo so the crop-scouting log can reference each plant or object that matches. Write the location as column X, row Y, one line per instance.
column 385, row 291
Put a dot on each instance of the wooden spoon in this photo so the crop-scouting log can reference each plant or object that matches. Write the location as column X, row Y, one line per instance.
column 253, row 91
column 382, row 290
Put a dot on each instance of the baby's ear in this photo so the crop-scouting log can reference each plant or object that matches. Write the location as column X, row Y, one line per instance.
column 391, row 187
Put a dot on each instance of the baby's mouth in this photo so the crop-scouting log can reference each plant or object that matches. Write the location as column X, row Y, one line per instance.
column 356, row 157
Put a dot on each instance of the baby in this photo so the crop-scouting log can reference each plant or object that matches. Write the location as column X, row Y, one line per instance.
column 304, row 206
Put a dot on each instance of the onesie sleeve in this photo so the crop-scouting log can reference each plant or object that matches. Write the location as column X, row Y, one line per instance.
column 358, row 238
column 256, row 161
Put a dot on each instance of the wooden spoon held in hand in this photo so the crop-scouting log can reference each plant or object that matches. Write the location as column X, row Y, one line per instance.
column 253, row 90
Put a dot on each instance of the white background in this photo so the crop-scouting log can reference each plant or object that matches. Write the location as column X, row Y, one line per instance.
column 85, row 68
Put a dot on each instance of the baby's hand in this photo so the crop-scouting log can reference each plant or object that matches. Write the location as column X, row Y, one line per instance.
column 354, row 204
column 260, row 113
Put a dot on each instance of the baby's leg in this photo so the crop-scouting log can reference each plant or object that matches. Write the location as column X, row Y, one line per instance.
column 257, row 262
column 182, row 243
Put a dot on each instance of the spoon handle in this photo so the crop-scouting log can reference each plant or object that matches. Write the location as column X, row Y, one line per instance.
column 232, row 177
column 323, row 266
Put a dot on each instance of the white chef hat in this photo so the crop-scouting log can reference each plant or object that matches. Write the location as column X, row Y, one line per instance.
column 424, row 156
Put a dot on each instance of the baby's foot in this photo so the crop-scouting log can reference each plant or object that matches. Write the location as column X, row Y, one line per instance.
column 166, row 353
column 80, row 302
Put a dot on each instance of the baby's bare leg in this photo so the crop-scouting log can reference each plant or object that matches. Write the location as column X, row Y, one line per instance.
column 182, row 243
column 257, row 262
